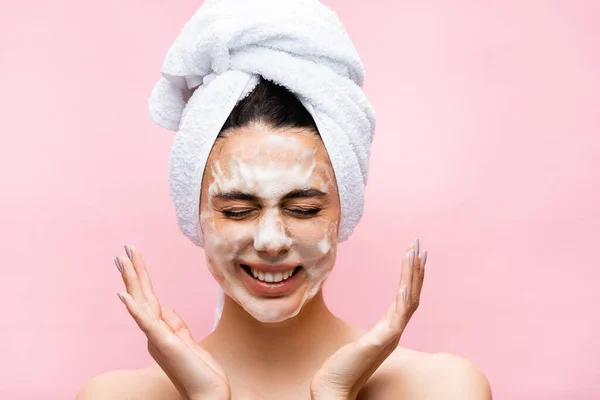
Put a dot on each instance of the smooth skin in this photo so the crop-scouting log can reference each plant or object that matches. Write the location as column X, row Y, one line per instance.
column 196, row 375
column 313, row 355
column 346, row 374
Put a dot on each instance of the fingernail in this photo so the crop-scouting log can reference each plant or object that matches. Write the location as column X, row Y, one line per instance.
column 118, row 264
column 128, row 251
column 120, row 297
column 423, row 258
column 416, row 245
column 411, row 258
column 404, row 290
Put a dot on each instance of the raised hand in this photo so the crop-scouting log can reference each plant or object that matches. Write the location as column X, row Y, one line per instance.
column 193, row 371
column 344, row 373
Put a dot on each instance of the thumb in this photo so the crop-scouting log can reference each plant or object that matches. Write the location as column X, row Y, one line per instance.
column 179, row 328
column 177, row 325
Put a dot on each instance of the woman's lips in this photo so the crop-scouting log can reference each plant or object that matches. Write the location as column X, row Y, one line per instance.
column 271, row 289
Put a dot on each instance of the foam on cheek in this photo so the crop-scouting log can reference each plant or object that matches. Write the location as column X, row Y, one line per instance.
column 221, row 245
column 315, row 251
column 323, row 245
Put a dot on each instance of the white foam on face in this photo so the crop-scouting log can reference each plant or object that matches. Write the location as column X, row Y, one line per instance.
column 323, row 245
column 269, row 168
column 271, row 232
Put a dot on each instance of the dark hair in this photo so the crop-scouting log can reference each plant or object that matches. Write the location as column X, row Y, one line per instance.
column 272, row 105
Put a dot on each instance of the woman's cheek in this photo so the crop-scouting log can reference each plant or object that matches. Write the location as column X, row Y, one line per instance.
column 216, row 246
column 228, row 239
column 313, row 237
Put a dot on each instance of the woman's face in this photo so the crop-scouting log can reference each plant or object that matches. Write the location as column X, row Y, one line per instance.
column 269, row 214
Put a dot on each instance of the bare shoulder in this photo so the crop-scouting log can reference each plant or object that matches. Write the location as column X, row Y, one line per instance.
column 413, row 374
column 459, row 377
column 138, row 384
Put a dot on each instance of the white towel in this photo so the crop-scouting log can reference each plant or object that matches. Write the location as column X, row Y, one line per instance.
column 299, row 44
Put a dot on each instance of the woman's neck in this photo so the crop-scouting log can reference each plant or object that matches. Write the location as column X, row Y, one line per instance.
column 298, row 344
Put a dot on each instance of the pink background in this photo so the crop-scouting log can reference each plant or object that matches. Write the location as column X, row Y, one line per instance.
column 487, row 148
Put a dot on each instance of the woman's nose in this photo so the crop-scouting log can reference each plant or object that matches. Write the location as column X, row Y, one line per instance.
column 270, row 236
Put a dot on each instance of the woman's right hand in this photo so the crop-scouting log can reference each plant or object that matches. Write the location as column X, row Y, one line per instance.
column 195, row 374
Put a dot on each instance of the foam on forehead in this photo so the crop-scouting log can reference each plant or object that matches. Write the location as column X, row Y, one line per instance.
column 276, row 147
column 270, row 168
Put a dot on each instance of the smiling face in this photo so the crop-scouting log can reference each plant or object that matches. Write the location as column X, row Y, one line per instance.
column 269, row 215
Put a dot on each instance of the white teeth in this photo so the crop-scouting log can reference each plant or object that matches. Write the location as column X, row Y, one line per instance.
column 271, row 277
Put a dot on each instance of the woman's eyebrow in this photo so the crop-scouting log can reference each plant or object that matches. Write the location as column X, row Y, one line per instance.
column 294, row 194
column 300, row 193
column 237, row 195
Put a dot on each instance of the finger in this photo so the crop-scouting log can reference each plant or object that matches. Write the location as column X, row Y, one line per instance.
column 390, row 312
column 379, row 359
column 386, row 340
column 382, row 332
column 180, row 328
column 144, row 277
column 418, row 276
column 145, row 318
column 185, row 369
column 386, row 331
column 131, row 280
column 404, row 288
column 157, row 332
column 177, row 325
column 366, row 355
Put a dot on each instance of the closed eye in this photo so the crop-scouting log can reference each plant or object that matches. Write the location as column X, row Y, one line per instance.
column 301, row 212
column 305, row 211
column 236, row 214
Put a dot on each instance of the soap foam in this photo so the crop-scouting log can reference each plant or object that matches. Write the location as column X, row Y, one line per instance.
column 269, row 170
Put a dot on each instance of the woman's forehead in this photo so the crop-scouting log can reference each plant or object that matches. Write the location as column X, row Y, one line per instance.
column 251, row 156
column 256, row 145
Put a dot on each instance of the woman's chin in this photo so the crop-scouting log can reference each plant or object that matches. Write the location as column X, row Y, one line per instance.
column 273, row 310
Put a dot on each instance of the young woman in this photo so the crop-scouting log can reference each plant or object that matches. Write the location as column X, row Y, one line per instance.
column 269, row 214
column 267, row 173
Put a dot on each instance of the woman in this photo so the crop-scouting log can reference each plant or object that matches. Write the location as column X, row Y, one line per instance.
column 280, row 238
column 273, row 204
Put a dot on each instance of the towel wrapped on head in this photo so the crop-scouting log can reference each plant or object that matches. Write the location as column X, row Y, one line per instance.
column 219, row 57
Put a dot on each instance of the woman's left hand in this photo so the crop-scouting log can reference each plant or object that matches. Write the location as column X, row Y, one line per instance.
column 344, row 373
